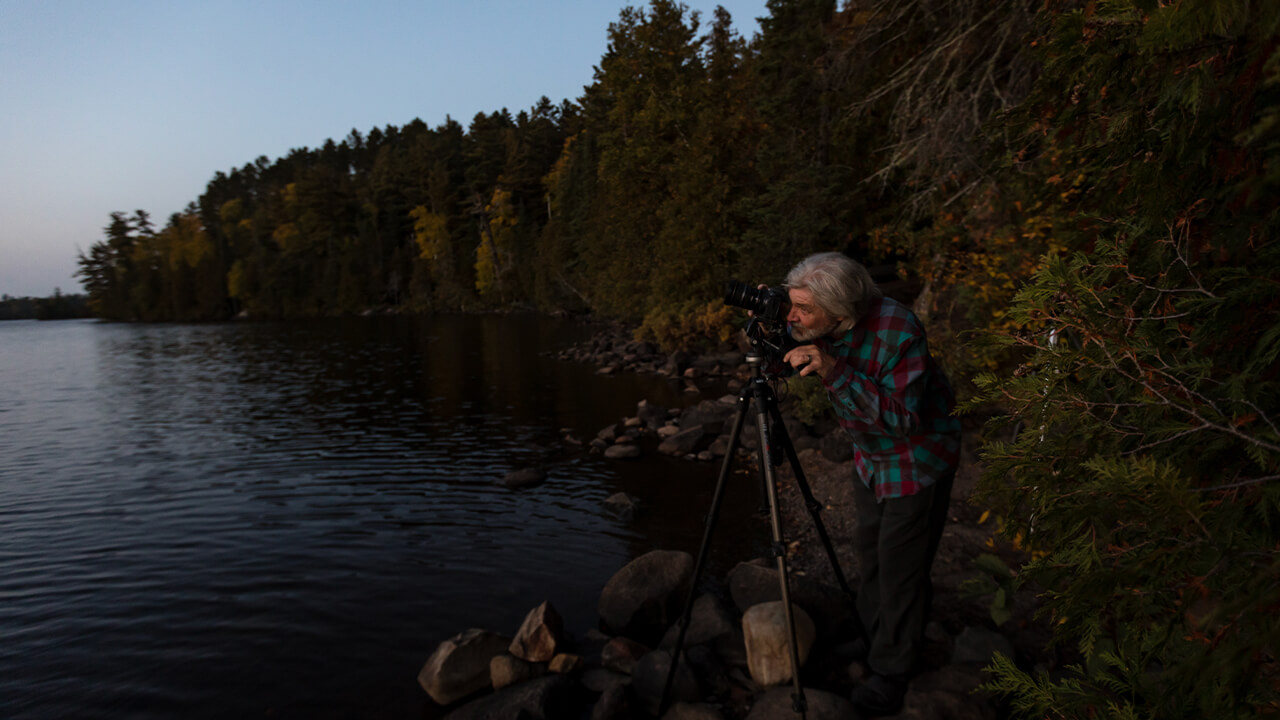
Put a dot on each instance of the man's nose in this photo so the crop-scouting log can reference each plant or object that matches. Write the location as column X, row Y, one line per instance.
column 792, row 317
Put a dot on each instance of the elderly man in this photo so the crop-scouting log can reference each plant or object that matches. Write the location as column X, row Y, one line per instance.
column 871, row 355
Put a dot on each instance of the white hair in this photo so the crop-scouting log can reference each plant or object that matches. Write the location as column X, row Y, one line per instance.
column 840, row 286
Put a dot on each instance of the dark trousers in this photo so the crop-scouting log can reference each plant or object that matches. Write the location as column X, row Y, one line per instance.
column 896, row 541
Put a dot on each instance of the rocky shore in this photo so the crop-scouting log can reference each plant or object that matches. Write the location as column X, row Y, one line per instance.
column 735, row 662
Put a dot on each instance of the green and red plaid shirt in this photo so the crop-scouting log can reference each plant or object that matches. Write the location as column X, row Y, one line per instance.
column 894, row 400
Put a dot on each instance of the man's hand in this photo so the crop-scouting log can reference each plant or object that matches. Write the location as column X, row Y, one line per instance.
column 809, row 360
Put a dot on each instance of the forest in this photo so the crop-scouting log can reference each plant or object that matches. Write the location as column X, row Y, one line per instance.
column 1085, row 190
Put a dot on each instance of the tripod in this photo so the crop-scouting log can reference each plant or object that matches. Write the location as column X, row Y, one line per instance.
column 772, row 439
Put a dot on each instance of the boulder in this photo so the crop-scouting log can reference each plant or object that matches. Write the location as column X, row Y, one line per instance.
column 683, row 442
column 949, row 693
column 643, row 598
column 628, row 451
column 650, row 676
column 768, row 640
column 460, row 665
column 540, row 634
column 622, row 505
column 599, row 680
column 710, row 413
column 708, row 621
column 608, row 434
column 756, row 581
column 524, row 478
column 506, row 670
column 546, row 698
column 692, row 711
column 616, row 703
column 776, row 704
column 621, row 654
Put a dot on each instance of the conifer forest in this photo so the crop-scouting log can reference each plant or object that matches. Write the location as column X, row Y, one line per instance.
column 1086, row 191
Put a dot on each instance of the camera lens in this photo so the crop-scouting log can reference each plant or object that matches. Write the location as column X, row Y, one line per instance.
column 741, row 295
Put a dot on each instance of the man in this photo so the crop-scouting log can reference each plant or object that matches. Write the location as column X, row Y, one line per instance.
column 872, row 356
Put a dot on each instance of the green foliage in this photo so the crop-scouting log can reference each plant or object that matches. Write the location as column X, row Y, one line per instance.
column 808, row 399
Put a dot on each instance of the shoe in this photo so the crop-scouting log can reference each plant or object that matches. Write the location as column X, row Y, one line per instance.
column 880, row 695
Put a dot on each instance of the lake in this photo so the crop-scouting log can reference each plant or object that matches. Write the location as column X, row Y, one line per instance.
column 285, row 519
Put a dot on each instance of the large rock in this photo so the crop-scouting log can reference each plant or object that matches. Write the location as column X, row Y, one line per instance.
column 460, row 665
column 709, row 414
column 768, row 641
column 507, row 670
column 540, row 635
column 644, row 597
column 616, row 703
column 550, row 697
column 683, row 442
column 621, row 654
column 650, row 676
column 693, row 711
column 756, row 581
column 776, row 704
column 949, row 693
column 622, row 452
column 708, row 621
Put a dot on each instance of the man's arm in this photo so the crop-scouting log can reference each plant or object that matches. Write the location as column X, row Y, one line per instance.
column 893, row 401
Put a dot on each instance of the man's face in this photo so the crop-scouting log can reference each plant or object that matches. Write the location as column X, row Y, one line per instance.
column 808, row 321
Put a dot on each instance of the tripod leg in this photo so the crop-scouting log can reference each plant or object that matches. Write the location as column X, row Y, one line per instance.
column 798, row 701
column 713, row 515
column 815, row 512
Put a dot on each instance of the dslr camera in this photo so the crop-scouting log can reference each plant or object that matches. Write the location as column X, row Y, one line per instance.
column 767, row 329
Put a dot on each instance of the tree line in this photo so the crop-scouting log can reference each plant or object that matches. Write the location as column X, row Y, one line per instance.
column 55, row 307
column 1086, row 191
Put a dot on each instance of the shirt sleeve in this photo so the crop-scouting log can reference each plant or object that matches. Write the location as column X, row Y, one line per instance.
column 894, row 401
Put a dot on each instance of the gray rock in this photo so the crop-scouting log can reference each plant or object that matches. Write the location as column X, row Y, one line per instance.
column 755, row 582
column 978, row 646
column 949, row 694
column 643, row 598
column 693, row 711
column 460, row 665
column 546, row 698
column 768, row 640
column 621, row 654
column 525, row 478
column 708, row 620
column 599, row 680
column 608, row 434
column 622, row 505
column 626, row 451
column 616, row 703
column 710, row 413
column 683, row 442
column 650, row 676
column 775, row 704
column 540, row 634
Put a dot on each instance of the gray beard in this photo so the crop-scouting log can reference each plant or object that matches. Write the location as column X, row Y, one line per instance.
column 805, row 335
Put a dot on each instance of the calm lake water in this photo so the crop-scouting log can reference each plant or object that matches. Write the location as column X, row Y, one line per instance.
column 284, row 520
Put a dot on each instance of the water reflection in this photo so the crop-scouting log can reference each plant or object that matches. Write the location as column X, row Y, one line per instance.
column 227, row 520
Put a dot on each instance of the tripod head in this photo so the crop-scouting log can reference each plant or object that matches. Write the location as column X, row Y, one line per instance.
column 768, row 347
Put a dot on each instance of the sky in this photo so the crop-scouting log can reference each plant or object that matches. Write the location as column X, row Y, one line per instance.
column 121, row 105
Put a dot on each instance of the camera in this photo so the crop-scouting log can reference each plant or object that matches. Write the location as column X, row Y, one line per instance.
column 767, row 330
column 770, row 304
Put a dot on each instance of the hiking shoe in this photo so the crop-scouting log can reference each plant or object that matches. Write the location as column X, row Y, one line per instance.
column 880, row 695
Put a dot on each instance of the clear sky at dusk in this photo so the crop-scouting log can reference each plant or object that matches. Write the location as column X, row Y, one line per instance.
column 135, row 104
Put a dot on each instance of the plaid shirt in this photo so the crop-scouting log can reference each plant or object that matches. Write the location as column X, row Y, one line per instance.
column 894, row 400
